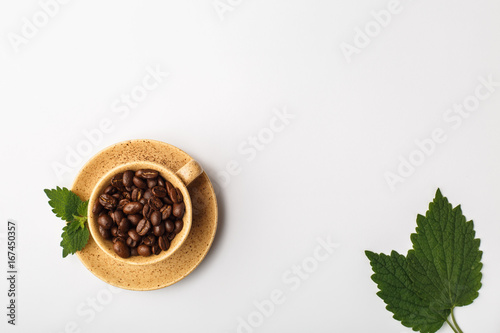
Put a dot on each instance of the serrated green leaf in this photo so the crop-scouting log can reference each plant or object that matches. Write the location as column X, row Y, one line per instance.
column 74, row 237
column 392, row 277
column 64, row 202
column 445, row 262
column 82, row 209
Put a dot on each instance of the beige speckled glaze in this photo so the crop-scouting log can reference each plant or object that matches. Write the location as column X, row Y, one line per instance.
column 188, row 256
column 188, row 172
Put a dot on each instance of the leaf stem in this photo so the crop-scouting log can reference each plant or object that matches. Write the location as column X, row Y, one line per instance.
column 455, row 321
column 453, row 328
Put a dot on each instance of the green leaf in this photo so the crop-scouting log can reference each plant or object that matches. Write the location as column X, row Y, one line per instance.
column 445, row 261
column 392, row 276
column 64, row 203
column 83, row 208
column 74, row 237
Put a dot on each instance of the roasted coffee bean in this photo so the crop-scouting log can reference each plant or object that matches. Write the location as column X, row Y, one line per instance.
column 179, row 195
column 149, row 240
column 172, row 194
column 105, row 221
column 152, row 182
column 143, row 201
column 143, row 227
column 117, row 181
column 171, row 236
column 117, row 216
column 114, row 231
column 155, row 203
column 127, row 195
column 132, row 208
column 147, row 173
column 163, row 242
column 169, row 226
column 116, row 239
column 159, row 230
column 97, row 209
column 124, row 225
column 135, row 218
column 109, row 190
column 121, row 249
column 131, row 243
column 127, row 178
column 122, row 234
column 137, row 194
column 134, row 235
column 165, row 212
column 155, row 249
column 133, row 252
column 140, row 183
column 117, row 196
column 178, row 226
column 159, row 191
column 107, row 201
column 155, row 218
column 129, row 189
column 122, row 203
column 146, row 211
column 161, row 181
column 167, row 200
column 144, row 250
column 148, row 194
column 178, row 209
column 105, row 233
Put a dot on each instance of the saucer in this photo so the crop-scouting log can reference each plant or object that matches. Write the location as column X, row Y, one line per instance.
column 188, row 256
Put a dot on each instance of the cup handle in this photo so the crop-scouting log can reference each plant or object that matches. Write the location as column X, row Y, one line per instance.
column 189, row 172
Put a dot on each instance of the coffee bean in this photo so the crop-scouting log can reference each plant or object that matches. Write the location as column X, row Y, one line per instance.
column 132, row 208
column 135, row 218
column 131, row 243
column 178, row 226
column 117, row 181
column 117, row 196
column 124, row 225
column 121, row 249
column 167, row 200
column 161, row 181
column 109, row 190
column 122, row 234
column 137, row 194
column 155, row 218
column 105, row 233
column 127, row 195
column 155, row 249
column 97, row 208
column 148, row 173
column 165, row 212
column 133, row 252
column 144, row 250
column 148, row 194
column 143, row 201
column 171, row 236
column 143, row 227
column 172, row 193
column 155, row 203
column 152, row 182
column 117, row 216
column 149, row 240
column 179, row 195
column 107, row 201
column 159, row 230
column 140, row 183
column 116, row 239
column 146, row 211
column 163, row 242
column 127, row 178
column 134, row 235
column 159, row 191
column 169, row 226
column 105, row 221
column 178, row 209
column 114, row 231
column 122, row 203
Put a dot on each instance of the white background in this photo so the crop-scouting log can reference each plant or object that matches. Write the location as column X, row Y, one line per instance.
column 322, row 176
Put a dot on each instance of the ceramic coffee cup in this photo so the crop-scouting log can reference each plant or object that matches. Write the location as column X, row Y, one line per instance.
column 180, row 179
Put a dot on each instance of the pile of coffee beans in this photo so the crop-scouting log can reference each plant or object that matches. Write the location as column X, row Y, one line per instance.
column 140, row 212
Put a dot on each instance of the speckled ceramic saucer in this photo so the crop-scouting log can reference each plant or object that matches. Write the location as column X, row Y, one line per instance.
column 186, row 258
